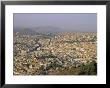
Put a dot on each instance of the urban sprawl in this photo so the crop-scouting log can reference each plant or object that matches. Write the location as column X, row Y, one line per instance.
column 61, row 53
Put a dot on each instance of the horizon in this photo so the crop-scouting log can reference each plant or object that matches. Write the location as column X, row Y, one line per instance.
column 61, row 22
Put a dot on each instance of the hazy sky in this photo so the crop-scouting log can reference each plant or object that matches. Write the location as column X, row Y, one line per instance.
column 84, row 22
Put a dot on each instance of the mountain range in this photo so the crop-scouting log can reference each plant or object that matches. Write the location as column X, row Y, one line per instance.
column 38, row 30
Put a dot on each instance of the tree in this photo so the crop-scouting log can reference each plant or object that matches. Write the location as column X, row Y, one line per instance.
column 89, row 69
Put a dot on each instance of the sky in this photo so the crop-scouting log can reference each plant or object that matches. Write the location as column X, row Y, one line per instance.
column 70, row 22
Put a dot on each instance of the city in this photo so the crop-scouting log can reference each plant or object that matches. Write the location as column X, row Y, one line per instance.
column 62, row 53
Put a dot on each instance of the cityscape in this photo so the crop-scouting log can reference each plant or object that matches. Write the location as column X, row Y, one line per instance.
column 40, row 51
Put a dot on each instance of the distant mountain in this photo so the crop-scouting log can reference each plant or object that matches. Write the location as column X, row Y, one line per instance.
column 25, row 31
column 38, row 30
column 47, row 29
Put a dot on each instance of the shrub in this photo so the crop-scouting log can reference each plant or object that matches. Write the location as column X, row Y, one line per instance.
column 89, row 69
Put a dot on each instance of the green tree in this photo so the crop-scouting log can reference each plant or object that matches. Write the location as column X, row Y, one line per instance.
column 89, row 69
